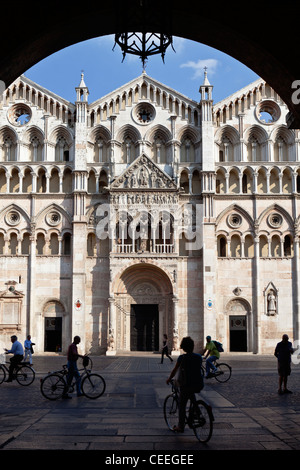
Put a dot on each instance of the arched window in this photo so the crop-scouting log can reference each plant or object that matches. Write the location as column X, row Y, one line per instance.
column 235, row 246
column 184, row 182
column 41, row 181
column 54, row 181
column 222, row 247
column 287, row 246
column 66, row 244
column 91, row 182
column 159, row 150
column 62, row 152
column 91, row 245
column 101, row 150
column 9, row 150
column 13, row 244
column 263, row 246
column 249, row 247
column 187, row 150
column 103, row 181
column 275, row 247
column 25, row 245
column 27, row 181
column 196, row 183
column 67, row 181
column 54, row 244
column 35, row 149
column 14, row 183
column 40, row 244
column 128, row 150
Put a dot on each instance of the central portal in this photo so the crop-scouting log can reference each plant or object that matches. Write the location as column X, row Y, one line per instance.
column 144, row 327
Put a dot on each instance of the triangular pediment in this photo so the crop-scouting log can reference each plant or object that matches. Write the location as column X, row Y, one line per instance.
column 143, row 174
column 29, row 91
column 11, row 292
column 138, row 82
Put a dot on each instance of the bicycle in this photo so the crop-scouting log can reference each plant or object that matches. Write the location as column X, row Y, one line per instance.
column 23, row 373
column 199, row 416
column 222, row 374
column 55, row 385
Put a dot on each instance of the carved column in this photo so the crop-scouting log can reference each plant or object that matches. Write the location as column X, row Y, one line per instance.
column 111, row 343
column 176, row 345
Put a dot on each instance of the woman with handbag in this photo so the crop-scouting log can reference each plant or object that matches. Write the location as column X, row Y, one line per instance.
column 190, row 380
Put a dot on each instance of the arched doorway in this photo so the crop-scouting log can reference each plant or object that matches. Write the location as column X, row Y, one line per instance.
column 239, row 325
column 143, row 308
column 53, row 312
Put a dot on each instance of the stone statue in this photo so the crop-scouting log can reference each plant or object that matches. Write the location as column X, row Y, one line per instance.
column 271, row 303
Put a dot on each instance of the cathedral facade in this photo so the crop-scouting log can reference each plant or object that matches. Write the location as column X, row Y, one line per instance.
column 145, row 213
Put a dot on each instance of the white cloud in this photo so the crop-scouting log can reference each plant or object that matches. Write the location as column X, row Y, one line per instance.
column 198, row 67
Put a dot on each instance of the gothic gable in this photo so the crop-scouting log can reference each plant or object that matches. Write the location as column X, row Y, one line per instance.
column 143, row 173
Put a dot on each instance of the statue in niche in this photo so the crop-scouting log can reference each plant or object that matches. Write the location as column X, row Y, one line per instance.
column 271, row 302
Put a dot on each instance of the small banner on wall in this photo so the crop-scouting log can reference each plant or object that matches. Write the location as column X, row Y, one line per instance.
column 209, row 304
column 78, row 304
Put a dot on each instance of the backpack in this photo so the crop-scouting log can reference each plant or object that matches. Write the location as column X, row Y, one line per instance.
column 219, row 346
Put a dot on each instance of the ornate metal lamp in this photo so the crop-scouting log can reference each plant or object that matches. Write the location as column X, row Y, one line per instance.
column 144, row 43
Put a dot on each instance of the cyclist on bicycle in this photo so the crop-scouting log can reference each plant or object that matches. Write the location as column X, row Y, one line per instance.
column 18, row 352
column 213, row 353
column 193, row 378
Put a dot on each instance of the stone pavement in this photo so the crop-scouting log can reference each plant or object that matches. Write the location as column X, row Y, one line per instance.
column 249, row 414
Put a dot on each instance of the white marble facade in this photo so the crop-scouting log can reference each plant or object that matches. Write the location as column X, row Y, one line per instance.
column 146, row 213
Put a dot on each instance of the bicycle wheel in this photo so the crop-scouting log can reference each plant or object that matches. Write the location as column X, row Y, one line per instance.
column 223, row 373
column 53, row 386
column 25, row 375
column 2, row 374
column 201, row 420
column 171, row 411
column 93, row 386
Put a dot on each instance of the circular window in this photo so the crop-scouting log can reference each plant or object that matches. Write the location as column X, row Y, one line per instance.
column 143, row 113
column 12, row 218
column 234, row 220
column 53, row 218
column 275, row 220
column 267, row 112
column 19, row 115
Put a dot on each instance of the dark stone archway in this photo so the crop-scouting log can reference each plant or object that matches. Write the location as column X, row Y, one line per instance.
column 262, row 36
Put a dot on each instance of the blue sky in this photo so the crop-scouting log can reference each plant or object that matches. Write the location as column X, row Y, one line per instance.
column 104, row 71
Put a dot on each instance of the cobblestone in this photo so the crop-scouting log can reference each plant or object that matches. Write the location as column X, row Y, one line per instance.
column 249, row 414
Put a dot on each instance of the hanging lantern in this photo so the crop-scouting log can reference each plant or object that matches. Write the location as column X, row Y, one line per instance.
column 144, row 43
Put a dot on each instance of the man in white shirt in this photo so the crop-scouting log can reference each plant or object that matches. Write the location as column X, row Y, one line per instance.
column 18, row 352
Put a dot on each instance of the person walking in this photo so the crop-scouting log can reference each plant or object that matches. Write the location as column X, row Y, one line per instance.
column 165, row 350
column 213, row 353
column 28, row 349
column 18, row 352
column 283, row 352
column 193, row 378
column 72, row 367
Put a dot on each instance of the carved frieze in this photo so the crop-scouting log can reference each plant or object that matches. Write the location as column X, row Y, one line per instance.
column 143, row 173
